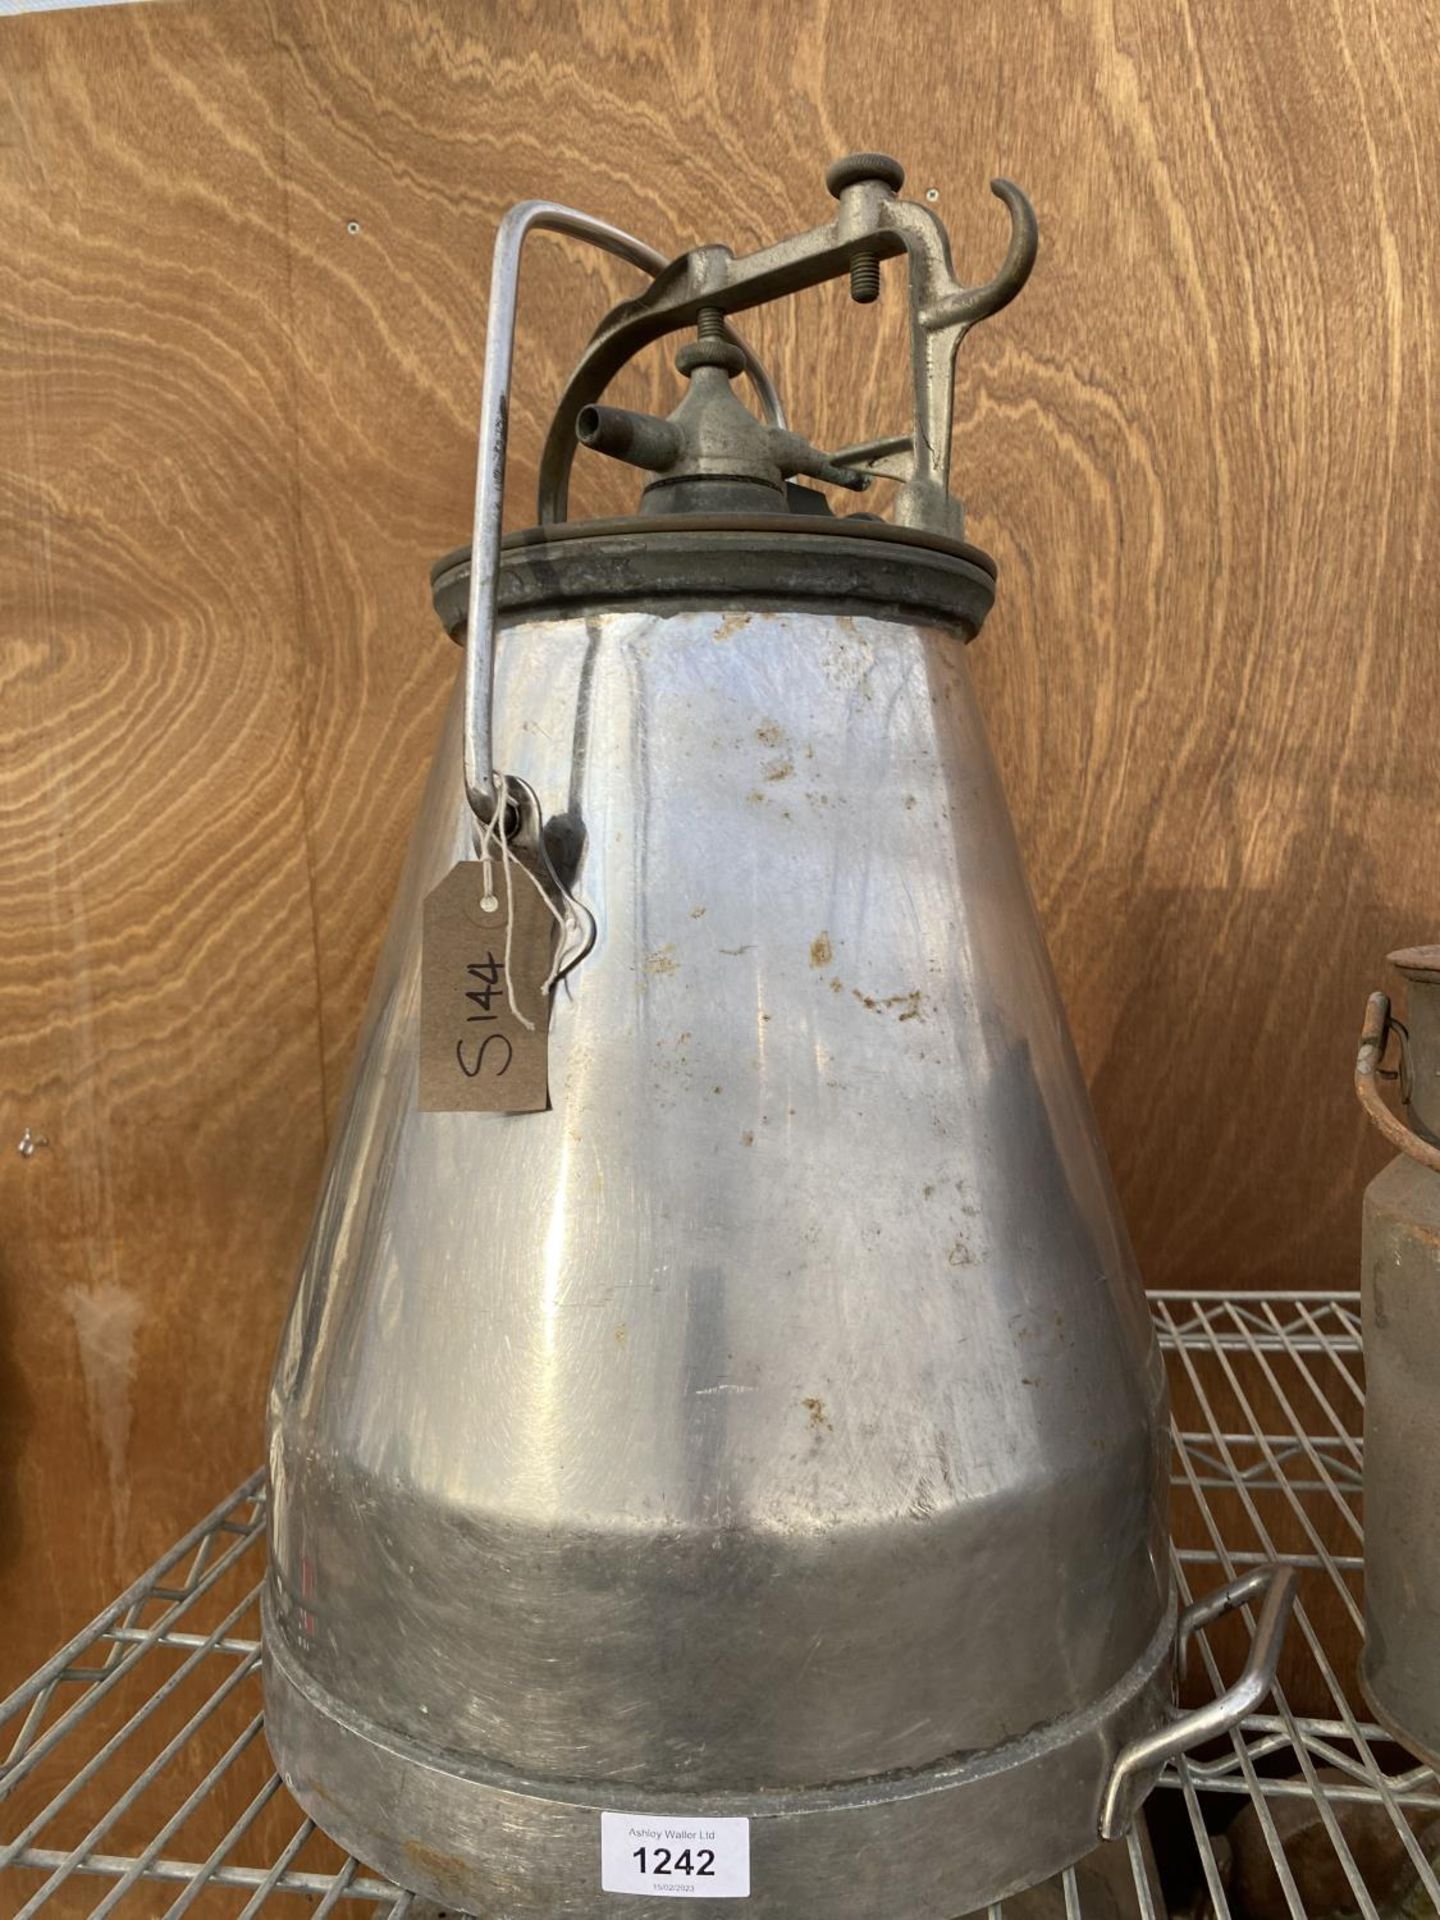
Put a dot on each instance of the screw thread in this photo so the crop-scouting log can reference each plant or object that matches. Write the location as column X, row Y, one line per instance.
column 709, row 324
column 864, row 279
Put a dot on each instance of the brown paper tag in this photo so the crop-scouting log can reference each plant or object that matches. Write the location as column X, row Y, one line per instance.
column 475, row 1056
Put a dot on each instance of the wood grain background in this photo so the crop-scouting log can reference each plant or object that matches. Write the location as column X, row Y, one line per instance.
column 243, row 260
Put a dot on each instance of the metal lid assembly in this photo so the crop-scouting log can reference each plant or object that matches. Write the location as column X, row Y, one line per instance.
column 706, row 287
column 712, row 456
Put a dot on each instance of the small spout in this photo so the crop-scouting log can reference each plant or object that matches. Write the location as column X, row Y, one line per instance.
column 794, row 455
column 640, row 439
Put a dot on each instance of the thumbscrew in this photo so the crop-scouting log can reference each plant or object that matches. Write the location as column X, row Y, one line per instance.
column 850, row 172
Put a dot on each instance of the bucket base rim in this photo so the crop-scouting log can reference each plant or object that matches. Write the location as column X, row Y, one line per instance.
column 931, row 1843
column 1390, row 1721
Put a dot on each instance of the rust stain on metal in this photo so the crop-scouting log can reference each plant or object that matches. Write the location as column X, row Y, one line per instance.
column 444, row 1867
column 821, row 951
column 770, row 735
column 911, row 1004
column 662, row 961
column 815, row 1407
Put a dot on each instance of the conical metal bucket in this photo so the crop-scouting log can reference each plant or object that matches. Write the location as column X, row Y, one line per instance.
column 745, row 1478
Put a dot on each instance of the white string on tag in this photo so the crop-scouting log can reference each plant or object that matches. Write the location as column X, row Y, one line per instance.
column 487, row 832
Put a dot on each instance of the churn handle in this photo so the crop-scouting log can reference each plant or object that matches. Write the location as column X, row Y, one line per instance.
column 1276, row 1579
column 1374, row 1036
column 481, row 780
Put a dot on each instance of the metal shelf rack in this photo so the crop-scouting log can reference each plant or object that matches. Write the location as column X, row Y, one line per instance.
column 135, row 1779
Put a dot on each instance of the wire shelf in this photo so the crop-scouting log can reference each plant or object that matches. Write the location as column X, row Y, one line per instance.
column 135, row 1779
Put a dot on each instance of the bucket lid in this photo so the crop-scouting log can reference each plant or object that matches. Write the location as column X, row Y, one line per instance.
column 1418, row 963
column 735, row 561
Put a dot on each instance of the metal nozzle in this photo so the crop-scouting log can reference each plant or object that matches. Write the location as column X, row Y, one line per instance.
column 640, row 439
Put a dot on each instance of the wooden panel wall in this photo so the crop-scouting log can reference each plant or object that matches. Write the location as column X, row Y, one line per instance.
column 243, row 256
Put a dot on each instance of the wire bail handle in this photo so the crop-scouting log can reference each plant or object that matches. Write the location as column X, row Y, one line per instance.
column 485, row 789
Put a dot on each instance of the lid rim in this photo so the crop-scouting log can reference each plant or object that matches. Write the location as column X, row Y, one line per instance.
column 850, row 565
column 771, row 525
column 1417, row 963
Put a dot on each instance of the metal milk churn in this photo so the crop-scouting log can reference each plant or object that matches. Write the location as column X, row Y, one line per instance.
column 742, row 1474
column 1400, row 1266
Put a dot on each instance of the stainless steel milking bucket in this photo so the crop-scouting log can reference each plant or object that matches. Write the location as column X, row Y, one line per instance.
column 1400, row 1268
column 742, row 1475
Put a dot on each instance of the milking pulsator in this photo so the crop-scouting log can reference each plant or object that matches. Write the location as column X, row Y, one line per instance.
column 742, row 1475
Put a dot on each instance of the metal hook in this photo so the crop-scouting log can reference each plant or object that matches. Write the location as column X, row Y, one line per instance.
column 942, row 312
column 978, row 303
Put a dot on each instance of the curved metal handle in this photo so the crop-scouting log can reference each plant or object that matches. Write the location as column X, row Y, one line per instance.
column 1374, row 1037
column 481, row 781
column 1145, row 1757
